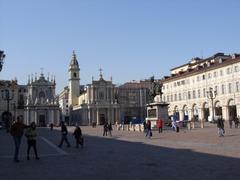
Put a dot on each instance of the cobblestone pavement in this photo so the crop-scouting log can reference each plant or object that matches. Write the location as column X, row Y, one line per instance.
column 195, row 154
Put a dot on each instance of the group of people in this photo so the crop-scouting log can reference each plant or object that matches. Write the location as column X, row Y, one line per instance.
column 107, row 128
column 235, row 120
column 77, row 135
column 18, row 129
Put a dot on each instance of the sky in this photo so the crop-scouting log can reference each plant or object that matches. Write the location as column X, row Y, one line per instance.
column 128, row 39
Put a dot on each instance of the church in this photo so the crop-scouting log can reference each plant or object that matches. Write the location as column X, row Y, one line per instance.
column 96, row 103
column 41, row 104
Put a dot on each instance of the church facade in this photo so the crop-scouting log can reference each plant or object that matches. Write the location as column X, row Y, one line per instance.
column 41, row 106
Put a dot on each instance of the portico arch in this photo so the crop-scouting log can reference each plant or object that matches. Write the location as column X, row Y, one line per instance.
column 205, row 109
column 185, row 112
column 232, row 109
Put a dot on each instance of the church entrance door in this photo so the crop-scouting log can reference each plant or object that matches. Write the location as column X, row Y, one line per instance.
column 42, row 120
column 102, row 119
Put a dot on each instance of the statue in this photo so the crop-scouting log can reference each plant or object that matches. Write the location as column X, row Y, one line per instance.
column 156, row 89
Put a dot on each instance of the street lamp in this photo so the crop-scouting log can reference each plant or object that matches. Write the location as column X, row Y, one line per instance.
column 211, row 94
column 7, row 97
column 2, row 56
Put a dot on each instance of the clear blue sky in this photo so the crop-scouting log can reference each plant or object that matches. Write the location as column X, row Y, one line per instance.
column 129, row 39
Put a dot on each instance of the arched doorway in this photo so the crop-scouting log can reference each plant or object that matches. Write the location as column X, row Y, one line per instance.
column 205, row 111
column 7, row 119
column 185, row 113
column 176, row 112
column 232, row 109
column 218, row 109
column 195, row 112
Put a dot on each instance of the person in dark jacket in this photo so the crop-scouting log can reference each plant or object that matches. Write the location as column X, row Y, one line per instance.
column 78, row 136
column 31, row 135
column 105, row 129
column 110, row 129
column 64, row 135
column 17, row 131
column 220, row 126
column 148, row 129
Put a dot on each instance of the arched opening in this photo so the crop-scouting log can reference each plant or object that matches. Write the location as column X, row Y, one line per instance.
column 205, row 111
column 7, row 120
column 185, row 113
column 176, row 112
column 218, row 109
column 232, row 110
column 195, row 112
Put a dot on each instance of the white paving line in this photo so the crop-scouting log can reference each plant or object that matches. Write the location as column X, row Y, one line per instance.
column 60, row 151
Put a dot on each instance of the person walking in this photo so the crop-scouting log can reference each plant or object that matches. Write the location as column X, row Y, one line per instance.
column 64, row 135
column 78, row 136
column 148, row 129
column 105, row 129
column 17, row 131
column 236, row 121
column 31, row 135
column 160, row 125
column 220, row 126
column 110, row 129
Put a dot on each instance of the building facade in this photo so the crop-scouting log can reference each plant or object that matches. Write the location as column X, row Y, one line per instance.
column 41, row 105
column 204, row 88
column 102, row 101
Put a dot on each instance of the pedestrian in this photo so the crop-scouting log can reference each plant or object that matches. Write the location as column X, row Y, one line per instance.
column 230, row 122
column 220, row 125
column 78, row 136
column 31, row 135
column 144, row 126
column 51, row 126
column 160, row 125
column 64, row 132
column 148, row 129
column 236, row 121
column 105, row 129
column 17, row 131
column 110, row 129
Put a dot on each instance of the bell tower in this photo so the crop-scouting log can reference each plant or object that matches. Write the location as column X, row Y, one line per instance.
column 74, row 81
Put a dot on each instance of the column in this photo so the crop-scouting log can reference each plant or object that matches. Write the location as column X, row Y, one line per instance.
column 97, row 116
column 225, row 114
column 200, row 117
column 181, row 115
column 58, row 117
column 35, row 116
column 89, row 116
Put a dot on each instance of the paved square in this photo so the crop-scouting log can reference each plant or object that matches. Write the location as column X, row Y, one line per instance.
column 195, row 154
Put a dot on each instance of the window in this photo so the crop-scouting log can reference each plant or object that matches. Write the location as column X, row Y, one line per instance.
column 194, row 94
column 189, row 95
column 175, row 97
column 216, row 89
column 199, row 93
column 171, row 98
column 167, row 98
column 209, row 75
column 236, row 68
column 237, row 86
column 175, row 84
column 101, row 95
column 221, row 73
column 203, row 77
column 223, row 88
column 179, row 96
column 215, row 74
column 74, row 74
column 204, row 92
column 229, row 87
column 229, row 70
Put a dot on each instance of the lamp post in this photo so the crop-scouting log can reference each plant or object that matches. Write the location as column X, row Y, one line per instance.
column 7, row 97
column 211, row 94
column 2, row 56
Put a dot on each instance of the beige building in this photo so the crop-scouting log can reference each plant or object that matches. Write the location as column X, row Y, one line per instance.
column 204, row 88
